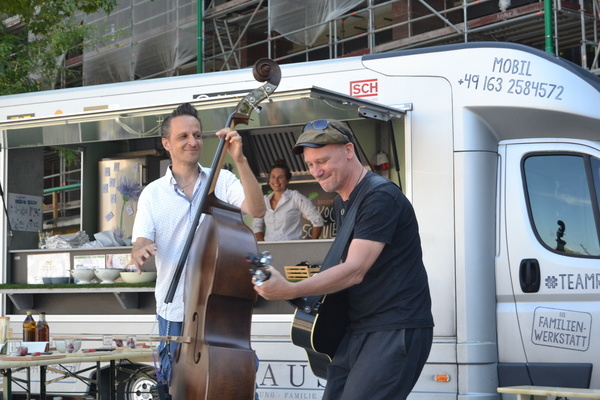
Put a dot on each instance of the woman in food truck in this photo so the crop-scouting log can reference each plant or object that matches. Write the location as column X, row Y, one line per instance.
column 285, row 209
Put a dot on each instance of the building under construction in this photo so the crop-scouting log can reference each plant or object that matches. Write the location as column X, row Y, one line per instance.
column 156, row 38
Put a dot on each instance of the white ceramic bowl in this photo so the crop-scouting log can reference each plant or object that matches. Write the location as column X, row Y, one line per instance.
column 61, row 345
column 83, row 275
column 107, row 275
column 134, row 277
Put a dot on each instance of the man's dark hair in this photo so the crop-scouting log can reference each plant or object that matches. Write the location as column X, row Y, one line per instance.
column 184, row 109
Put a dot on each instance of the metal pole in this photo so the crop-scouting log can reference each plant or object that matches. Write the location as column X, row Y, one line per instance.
column 199, row 36
column 270, row 46
column 371, row 34
column 465, row 21
column 583, row 38
column 548, row 27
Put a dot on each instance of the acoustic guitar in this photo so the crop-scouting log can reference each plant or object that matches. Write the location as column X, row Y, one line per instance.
column 319, row 325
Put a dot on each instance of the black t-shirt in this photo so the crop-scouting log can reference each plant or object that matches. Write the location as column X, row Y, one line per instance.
column 394, row 293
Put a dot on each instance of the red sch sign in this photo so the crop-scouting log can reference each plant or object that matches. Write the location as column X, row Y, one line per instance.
column 364, row 88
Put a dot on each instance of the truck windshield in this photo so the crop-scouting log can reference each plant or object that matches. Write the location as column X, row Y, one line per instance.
column 563, row 194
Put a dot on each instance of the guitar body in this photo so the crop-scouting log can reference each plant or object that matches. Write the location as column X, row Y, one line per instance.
column 320, row 331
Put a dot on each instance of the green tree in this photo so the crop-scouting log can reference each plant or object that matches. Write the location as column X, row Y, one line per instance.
column 50, row 28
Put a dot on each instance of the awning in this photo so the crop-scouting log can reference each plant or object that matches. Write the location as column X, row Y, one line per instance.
column 284, row 109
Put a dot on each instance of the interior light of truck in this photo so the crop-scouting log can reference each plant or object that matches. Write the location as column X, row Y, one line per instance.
column 441, row 378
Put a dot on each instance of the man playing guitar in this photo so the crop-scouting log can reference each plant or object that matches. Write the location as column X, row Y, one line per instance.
column 381, row 271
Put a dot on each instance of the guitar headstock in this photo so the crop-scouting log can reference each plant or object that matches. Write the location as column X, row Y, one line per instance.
column 260, row 265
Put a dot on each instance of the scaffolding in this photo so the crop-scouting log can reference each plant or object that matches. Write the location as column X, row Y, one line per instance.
column 140, row 39
column 238, row 32
column 144, row 39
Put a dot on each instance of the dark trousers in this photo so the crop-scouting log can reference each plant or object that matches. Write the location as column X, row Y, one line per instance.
column 382, row 365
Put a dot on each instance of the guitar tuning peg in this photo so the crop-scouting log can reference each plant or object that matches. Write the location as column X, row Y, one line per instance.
column 265, row 258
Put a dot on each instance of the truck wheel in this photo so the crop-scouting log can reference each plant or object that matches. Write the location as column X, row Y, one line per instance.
column 133, row 382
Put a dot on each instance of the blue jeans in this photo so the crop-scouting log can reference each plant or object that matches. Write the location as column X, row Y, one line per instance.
column 165, row 353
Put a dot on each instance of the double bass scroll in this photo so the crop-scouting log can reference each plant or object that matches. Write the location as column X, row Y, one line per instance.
column 218, row 362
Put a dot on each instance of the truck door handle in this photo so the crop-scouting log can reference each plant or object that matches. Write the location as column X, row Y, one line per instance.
column 529, row 275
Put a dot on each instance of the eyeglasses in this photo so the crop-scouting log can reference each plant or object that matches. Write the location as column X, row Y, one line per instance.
column 321, row 124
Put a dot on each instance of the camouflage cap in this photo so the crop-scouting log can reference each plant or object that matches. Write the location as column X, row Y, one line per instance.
column 322, row 132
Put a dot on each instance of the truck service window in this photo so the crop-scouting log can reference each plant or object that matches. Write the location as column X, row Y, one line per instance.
column 562, row 202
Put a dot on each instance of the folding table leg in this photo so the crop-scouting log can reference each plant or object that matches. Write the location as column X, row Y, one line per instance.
column 42, row 382
column 7, row 383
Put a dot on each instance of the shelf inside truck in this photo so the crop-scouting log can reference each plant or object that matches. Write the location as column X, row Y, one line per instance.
column 23, row 296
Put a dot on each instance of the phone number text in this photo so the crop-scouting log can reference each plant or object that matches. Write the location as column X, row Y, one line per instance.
column 522, row 87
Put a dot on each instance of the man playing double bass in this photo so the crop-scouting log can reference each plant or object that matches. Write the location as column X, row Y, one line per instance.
column 167, row 207
column 390, row 331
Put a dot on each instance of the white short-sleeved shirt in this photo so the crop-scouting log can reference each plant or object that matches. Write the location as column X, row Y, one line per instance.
column 165, row 216
column 285, row 221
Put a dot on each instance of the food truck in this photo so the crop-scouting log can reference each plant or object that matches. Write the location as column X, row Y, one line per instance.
column 496, row 145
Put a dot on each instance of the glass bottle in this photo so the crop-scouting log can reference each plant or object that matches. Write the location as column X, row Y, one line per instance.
column 29, row 328
column 42, row 330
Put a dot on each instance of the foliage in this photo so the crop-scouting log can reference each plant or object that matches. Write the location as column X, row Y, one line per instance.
column 71, row 157
column 50, row 29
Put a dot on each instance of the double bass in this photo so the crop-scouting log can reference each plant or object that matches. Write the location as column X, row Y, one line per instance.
column 216, row 360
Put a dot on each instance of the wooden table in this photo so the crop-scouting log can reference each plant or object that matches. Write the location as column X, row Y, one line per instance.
column 8, row 364
column 542, row 392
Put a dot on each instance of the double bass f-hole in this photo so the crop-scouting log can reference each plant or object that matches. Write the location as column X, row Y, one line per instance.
column 197, row 352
